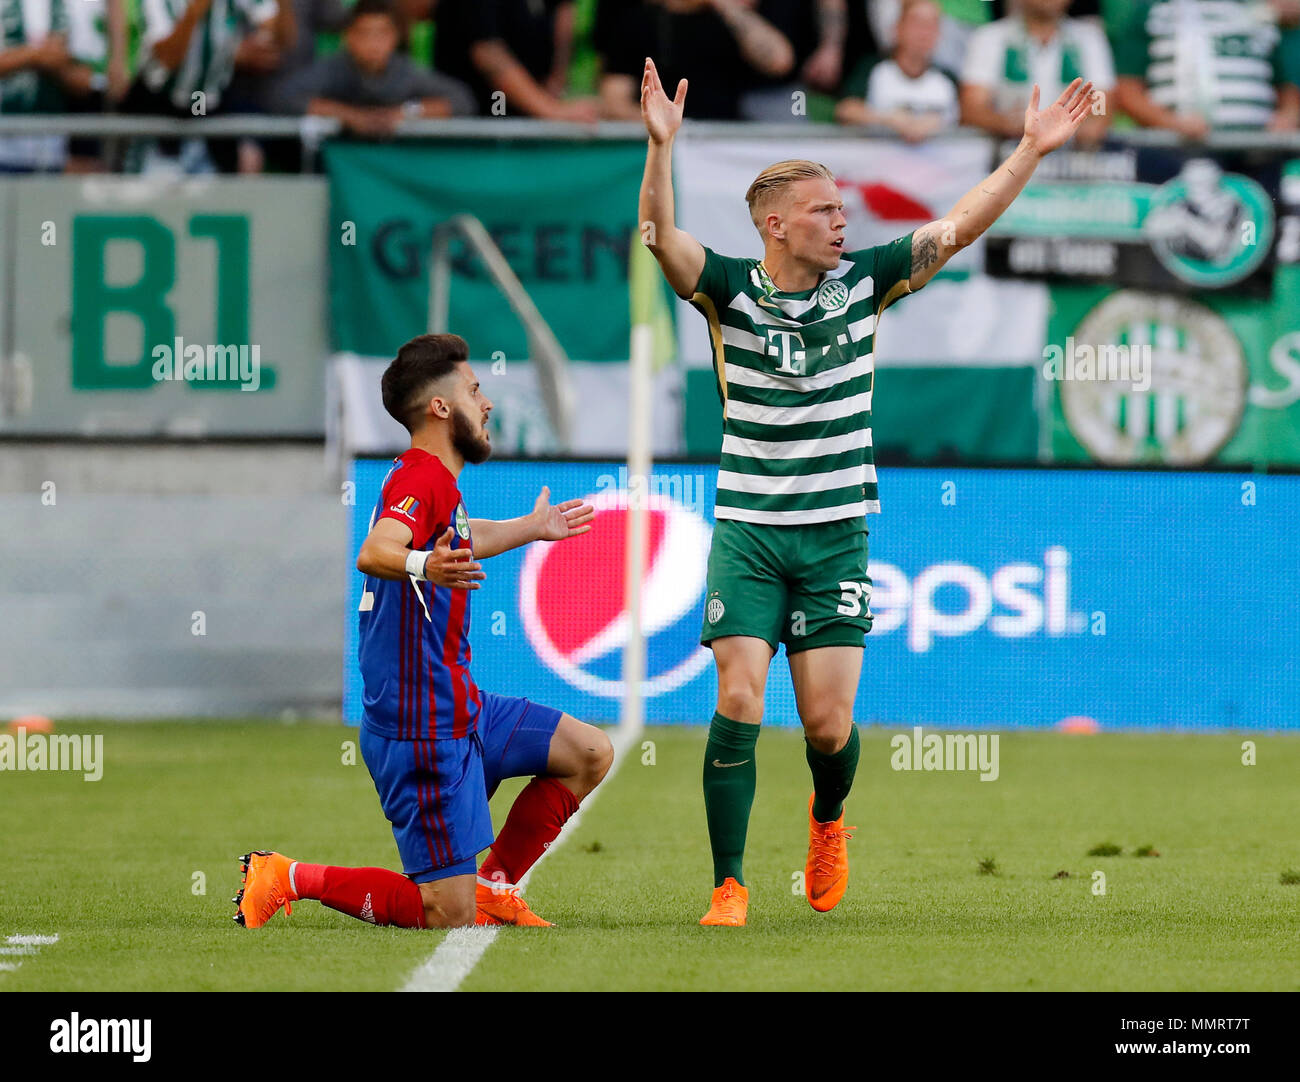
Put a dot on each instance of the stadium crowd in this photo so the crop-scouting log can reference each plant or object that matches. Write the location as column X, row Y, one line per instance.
column 911, row 67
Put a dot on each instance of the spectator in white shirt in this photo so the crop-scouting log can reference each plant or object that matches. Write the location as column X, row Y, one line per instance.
column 957, row 20
column 1039, row 45
column 904, row 93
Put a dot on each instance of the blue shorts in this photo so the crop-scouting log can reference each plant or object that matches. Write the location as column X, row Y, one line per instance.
column 435, row 792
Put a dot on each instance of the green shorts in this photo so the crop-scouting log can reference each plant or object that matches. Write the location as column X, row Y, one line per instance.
column 805, row 586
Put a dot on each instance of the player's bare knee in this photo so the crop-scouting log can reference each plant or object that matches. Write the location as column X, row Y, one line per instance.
column 585, row 760
column 827, row 729
column 600, row 757
column 594, row 758
column 747, row 709
column 741, row 702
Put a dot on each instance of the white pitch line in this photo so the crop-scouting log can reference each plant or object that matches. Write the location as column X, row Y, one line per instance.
column 9, row 967
column 24, row 948
column 453, row 960
column 460, row 951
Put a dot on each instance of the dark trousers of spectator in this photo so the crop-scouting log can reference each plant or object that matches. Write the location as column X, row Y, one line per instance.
column 92, row 103
column 247, row 95
column 141, row 101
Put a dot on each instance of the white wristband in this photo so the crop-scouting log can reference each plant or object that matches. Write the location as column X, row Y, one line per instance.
column 415, row 565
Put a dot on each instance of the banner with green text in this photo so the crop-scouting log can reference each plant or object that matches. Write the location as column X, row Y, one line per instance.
column 147, row 307
column 563, row 214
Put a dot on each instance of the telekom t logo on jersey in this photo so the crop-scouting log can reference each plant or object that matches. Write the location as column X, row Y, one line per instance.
column 781, row 344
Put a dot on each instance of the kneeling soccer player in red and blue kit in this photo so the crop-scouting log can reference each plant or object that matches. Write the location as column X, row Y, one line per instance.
column 436, row 746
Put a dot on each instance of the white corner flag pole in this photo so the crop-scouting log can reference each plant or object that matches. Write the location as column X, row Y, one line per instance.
column 638, row 490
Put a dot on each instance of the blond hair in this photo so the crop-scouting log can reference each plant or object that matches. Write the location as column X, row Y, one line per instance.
column 774, row 180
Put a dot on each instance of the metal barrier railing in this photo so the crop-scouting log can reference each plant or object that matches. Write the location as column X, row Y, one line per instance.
column 544, row 349
column 315, row 129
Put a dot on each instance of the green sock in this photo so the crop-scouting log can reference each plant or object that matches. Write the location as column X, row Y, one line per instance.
column 729, row 781
column 833, row 777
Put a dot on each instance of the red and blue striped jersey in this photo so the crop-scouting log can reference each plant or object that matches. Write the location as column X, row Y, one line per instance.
column 414, row 641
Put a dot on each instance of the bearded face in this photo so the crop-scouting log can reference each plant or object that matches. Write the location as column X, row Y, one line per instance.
column 470, row 436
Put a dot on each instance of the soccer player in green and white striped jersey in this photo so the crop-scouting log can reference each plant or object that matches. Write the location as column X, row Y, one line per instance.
column 792, row 338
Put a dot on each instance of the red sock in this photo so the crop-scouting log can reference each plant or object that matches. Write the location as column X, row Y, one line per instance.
column 535, row 819
column 370, row 894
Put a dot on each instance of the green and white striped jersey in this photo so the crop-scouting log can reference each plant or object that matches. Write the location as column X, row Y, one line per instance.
column 29, row 22
column 795, row 374
column 88, row 32
column 209, row 62
column 1219, row 58
column 1004, row 58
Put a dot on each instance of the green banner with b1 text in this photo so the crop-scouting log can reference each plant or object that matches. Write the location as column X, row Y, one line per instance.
column 563, row 215
column 144, row 307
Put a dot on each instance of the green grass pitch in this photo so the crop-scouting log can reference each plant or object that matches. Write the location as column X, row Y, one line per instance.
column 134, row 872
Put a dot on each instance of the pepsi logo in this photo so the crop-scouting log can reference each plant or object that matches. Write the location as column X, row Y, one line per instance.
column 572, row 598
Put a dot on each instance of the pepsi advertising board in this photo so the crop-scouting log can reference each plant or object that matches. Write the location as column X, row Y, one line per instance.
column 1002, row 598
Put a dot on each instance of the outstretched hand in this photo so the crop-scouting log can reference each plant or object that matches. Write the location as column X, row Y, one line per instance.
column 564, row 520
column 455, row 568
column 662, row 116
column 1054, row 126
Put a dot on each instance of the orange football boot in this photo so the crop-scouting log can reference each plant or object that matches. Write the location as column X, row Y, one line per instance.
column 266, row 888
column 505, row 905
column 729, row 906
column 826, row 873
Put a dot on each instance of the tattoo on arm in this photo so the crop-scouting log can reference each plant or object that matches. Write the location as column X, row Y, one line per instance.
column 925, row 251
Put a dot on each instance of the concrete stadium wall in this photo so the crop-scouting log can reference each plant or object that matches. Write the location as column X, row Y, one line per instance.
column 109, row 553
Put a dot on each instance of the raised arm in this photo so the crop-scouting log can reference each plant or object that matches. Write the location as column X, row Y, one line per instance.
column 681, row 256
column 934, row 244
